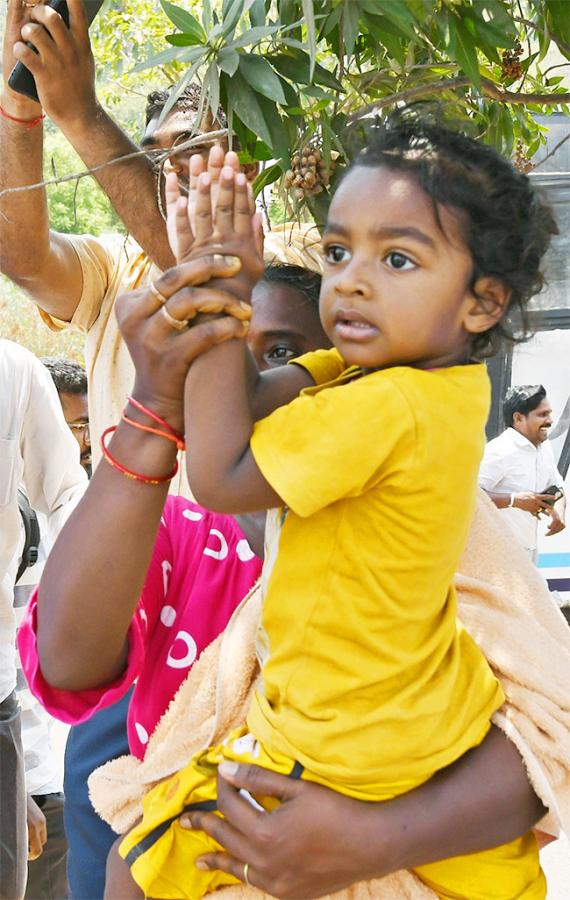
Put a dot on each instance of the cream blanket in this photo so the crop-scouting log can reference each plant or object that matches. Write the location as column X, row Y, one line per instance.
column 505, row 605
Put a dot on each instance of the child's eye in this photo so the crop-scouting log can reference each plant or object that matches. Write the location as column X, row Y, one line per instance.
column 334, row 253
column 399, row 261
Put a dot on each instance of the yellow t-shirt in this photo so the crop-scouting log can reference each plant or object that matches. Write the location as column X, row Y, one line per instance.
column 368, row 680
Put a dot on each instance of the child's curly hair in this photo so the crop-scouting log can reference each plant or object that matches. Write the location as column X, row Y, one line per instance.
column 505, row 223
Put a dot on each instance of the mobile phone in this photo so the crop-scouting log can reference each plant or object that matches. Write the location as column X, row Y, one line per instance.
column 556, row 493
column 21, row 79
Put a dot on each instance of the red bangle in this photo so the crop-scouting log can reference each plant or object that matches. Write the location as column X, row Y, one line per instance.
column 152, row 415
column 136, row 476
column 29, row 123
column 179, row 441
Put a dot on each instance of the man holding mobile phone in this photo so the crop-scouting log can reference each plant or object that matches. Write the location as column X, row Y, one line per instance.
column 76, row 279
column 518, row 469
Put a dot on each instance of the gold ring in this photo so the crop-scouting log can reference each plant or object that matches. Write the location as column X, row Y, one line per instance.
column 27, row 5
column 177, row 324
column 245, row 872
column 156, row 293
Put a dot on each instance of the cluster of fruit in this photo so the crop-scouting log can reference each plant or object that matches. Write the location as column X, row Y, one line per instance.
column 308, row 174
column 511, row 63
column 521, row 161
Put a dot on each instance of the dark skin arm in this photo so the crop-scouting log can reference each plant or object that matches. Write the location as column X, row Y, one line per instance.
column 318, row 841
column 229, row 382
column 89, row 590
column 40, row 261
column 64, row 72
column 527, row 500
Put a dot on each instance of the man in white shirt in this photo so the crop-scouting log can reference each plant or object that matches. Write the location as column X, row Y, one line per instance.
column 38, row 451
column 518, row 469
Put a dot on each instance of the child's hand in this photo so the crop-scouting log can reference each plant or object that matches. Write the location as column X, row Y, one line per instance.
column 217, row 159
column 230, row 229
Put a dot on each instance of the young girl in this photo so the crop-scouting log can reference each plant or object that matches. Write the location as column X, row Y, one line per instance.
column 369, row 683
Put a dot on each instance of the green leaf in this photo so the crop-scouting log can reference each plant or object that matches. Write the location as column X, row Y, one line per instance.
column 350, row 25
column 182, row 40
column 314, row 91
column 277, row 129
column 559, row 13
column 296, row 67
column 309, row 17
column 231, row 12
column 179, row 90
column 211, row 84
column 262, row 78
column 266, row 177
column 228, row 60
column 253, row 36
column 183, row 20
column 257, row 13
column 170, row 55
column 397, row 12
column 384, row 36
column 207, row 16
column 246, row 106
column 463, row 49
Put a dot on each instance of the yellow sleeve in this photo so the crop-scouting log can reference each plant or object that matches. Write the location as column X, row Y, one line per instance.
column 322, row 365
column 99, row 258
column 335, row 443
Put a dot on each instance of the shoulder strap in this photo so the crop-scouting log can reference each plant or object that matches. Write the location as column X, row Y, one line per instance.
column 32, row 534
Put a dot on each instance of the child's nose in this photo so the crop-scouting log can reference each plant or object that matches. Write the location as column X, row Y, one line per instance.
column 354, row 280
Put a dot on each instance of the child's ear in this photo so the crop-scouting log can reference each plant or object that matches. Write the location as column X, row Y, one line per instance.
column 488, row 302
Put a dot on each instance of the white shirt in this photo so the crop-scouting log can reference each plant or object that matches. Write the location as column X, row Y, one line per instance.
column 511, row 464
column 38, row 450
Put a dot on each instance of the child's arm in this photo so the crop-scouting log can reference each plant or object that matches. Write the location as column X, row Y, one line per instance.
column 224, row 392
column 119, row 883
column 195, row 232
column 221, row 388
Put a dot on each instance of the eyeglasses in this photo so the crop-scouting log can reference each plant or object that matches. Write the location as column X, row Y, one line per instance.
column 81, row 428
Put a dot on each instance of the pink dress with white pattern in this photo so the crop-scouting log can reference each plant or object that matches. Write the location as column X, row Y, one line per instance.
column 201, row 568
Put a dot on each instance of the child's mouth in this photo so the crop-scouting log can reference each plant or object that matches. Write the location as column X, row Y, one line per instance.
column 352, row 326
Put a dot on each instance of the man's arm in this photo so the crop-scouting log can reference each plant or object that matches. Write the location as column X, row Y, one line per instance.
column 40, row 261
column 65, row 77
column 318, row 841
column 528, row 500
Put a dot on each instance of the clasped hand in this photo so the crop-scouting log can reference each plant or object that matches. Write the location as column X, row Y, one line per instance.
column 217, row 242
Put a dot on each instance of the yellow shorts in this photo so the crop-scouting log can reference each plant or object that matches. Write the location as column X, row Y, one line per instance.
column 161, row 854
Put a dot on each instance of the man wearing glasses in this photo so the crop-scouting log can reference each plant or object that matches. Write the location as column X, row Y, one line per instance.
column 70, row 380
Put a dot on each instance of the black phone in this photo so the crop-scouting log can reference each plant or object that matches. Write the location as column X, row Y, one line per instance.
column 555, row 491
column 21, row 79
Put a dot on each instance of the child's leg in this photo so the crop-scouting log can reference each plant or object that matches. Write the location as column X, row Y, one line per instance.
column 509, row 872
column 119, row 883
column 161, row 854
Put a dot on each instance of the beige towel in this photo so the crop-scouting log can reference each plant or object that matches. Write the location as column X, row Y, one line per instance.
column 293, row 244
column 505, row 605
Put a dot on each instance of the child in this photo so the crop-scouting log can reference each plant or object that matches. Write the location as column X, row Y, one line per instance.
column 369, row 683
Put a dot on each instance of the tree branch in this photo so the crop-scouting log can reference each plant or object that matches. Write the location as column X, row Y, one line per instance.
column 452, row 84
column 562, row 45
column 516, row 97
column 422, row 90
column 159, row 156
column 552, row 152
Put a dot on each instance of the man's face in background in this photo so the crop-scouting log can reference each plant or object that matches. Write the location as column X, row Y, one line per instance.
column 76, row 413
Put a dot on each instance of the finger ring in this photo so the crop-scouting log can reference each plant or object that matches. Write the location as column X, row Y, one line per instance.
column 245, row 873
column 156, row 293
column 177, row 324
column 27, row 5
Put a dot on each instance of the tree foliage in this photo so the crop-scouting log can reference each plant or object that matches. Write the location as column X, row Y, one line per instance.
column 297, row 71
